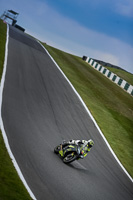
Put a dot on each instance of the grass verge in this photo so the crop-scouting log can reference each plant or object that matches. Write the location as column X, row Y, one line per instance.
column 11, row 187
column 111, row 107
column 114, row 115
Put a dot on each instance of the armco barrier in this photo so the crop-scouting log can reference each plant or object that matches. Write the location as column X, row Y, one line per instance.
column 110, row 75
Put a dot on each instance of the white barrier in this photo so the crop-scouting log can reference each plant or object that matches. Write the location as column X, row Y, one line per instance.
column 110, row 75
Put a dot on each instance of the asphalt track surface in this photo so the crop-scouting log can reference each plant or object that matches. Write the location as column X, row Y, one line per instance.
column 39, row 110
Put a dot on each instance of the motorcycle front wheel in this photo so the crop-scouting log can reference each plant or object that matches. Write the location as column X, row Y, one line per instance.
column 69, row 158
column 57, row 149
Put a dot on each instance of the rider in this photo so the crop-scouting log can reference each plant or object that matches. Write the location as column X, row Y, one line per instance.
column 85, row 146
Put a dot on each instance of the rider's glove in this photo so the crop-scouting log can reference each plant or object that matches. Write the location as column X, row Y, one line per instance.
column 81, row 156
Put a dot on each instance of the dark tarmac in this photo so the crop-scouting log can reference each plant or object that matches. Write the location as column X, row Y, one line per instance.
column 39, row 110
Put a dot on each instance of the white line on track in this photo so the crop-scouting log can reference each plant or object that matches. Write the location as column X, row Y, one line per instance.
column 90, row 116
column 2, row 125
column 4, row 133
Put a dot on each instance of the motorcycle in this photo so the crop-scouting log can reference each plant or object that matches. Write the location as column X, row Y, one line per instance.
column 69, row 153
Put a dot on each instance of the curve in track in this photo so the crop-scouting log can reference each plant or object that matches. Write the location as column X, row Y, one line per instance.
column 40, row 109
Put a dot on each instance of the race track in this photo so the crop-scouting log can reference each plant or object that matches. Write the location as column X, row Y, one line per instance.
column 39, row 110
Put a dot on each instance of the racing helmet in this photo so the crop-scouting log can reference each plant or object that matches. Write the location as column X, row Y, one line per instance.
column 90, row 143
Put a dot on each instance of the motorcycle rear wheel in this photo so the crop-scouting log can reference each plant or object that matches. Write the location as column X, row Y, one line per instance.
column 57, row 149
column 69, row 158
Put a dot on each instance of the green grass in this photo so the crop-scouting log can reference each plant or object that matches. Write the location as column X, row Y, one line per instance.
column 111, row 106
column 11, row 187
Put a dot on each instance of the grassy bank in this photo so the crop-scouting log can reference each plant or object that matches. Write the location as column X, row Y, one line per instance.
column 11, row 187
column 111, row 107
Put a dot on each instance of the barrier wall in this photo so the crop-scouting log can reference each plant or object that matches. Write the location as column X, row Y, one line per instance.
column 110, row 75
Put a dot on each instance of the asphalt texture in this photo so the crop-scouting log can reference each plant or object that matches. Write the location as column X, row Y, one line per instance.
column 39, row 110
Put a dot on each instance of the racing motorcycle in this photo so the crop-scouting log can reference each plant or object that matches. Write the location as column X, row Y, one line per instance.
column 69, row 153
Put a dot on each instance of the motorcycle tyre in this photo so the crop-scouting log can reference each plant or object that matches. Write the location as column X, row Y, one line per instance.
column 69, row 161
column 57, row 149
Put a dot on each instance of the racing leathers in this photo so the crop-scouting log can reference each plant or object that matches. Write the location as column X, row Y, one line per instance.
column 83, row 144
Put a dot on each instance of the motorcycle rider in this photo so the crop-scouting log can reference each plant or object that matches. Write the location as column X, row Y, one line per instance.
column 85, row 146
